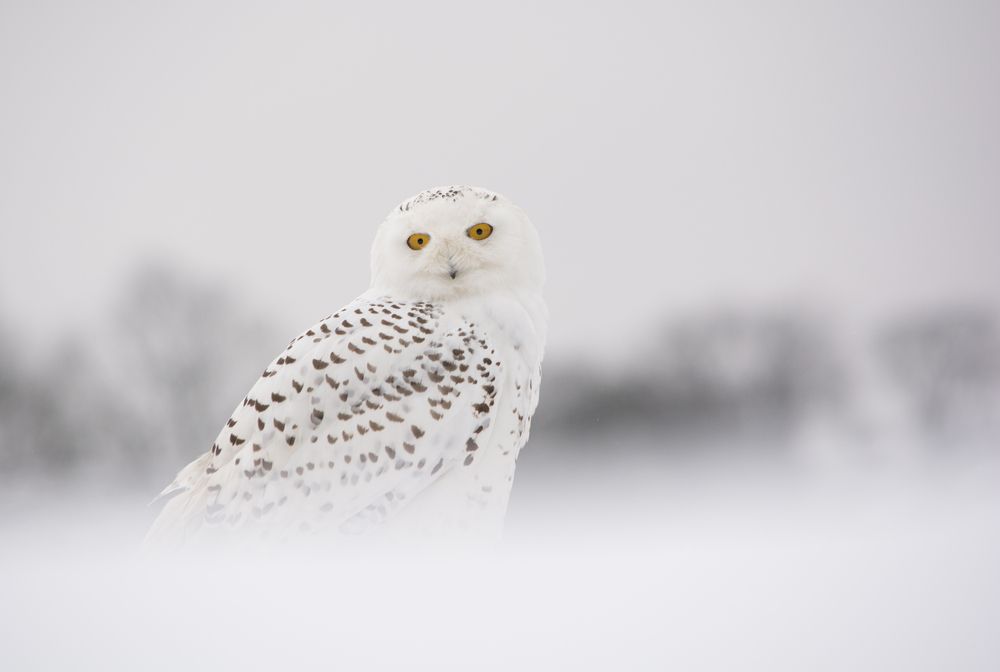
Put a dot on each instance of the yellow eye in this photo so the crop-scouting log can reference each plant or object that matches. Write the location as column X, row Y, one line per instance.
column 418, row 241
column 479, row 231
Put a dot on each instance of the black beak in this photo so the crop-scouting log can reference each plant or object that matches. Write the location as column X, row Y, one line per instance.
column 453, row 273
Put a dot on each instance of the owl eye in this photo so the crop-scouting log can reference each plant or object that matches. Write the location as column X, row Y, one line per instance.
column 418, row 241
column 479, row 231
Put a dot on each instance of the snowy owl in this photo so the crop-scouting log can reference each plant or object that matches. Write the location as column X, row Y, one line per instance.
column 405, row 409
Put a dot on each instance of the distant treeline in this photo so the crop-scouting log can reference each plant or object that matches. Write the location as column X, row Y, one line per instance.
column 753, row 373
column 151, row 390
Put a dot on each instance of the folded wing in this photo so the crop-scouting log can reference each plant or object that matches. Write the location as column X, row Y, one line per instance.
column 351, row 422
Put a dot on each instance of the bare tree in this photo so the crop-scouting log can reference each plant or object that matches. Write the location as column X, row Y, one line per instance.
column 136, row 399
column 945, row 363
column 723, row 374
column 181, row 357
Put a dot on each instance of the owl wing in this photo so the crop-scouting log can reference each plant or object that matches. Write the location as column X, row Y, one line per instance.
column 352, row 421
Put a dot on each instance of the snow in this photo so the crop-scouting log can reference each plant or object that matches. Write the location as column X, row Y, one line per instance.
column 696, row 563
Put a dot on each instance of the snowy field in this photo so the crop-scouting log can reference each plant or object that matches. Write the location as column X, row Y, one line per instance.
column 759, row 220
column 713, row 563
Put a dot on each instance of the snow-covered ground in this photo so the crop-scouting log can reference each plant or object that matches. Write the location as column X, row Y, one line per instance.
column 639, row 563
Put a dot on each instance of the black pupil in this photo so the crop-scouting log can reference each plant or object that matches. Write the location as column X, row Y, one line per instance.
column 479, row 232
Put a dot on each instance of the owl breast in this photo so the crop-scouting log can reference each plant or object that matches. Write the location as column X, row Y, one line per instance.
column 474, row 501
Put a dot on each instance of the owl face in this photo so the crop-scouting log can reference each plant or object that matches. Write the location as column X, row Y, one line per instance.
column 456, row 241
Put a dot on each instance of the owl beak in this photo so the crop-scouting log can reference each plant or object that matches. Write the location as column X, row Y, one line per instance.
column 452, row 268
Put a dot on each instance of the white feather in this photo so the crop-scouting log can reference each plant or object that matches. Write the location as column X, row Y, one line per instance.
column 405, row 409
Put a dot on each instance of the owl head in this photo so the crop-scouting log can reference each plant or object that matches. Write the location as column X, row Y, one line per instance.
column 454, row 242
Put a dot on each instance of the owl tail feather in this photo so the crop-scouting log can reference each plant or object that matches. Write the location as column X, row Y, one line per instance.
column 170, row 526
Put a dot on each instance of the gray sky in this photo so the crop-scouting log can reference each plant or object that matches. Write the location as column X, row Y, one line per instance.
column 672, row 156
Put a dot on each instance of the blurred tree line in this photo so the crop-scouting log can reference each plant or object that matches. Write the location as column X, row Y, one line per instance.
column 139, row 399
column 142, row 397
column 719, row 374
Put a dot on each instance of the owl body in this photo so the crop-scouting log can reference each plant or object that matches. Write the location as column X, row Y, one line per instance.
column 400, row 414
column 471, row 499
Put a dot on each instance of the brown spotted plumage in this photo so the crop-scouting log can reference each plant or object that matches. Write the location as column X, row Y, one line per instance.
column 388, row 406
column 286, row 435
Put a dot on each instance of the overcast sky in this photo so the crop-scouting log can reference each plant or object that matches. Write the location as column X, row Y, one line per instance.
column 673, row 157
